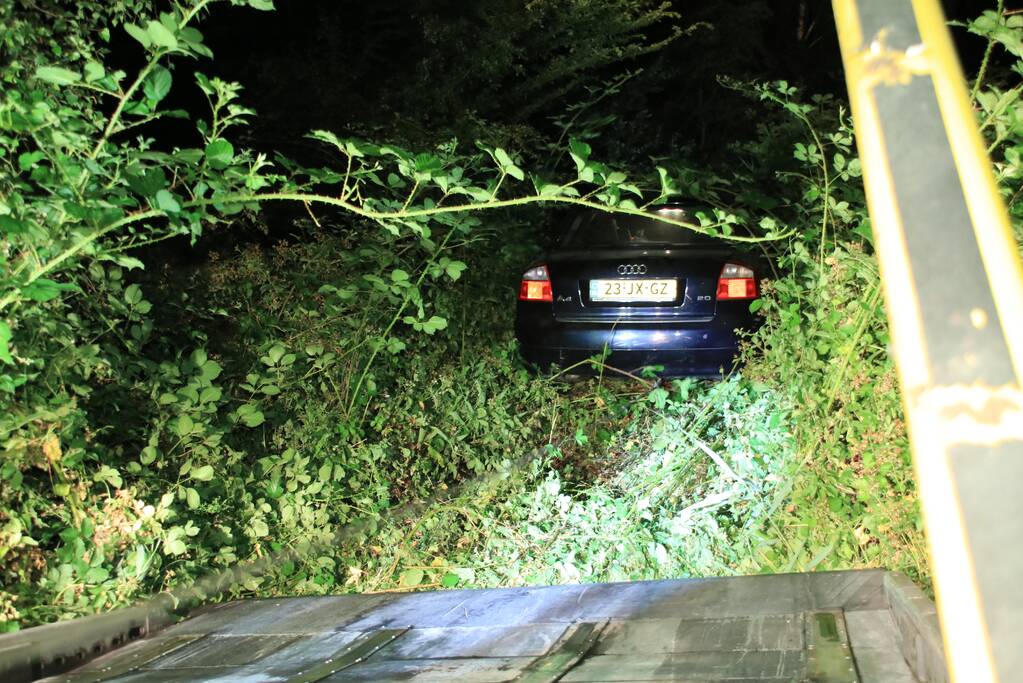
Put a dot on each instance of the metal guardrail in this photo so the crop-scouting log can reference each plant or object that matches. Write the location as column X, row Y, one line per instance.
column 954, row 294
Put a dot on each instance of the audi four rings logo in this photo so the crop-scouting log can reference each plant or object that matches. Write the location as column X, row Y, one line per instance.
column 632, row 269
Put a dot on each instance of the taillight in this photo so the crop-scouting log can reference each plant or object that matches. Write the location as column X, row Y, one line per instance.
column 737, row 282
column 536, row 285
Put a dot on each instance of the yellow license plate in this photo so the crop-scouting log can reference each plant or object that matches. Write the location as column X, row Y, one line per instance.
column 633, row 290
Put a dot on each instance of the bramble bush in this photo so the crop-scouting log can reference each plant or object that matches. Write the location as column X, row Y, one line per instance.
column 850, row 498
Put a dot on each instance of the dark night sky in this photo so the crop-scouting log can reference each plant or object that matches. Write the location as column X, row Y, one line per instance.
column 356, row 67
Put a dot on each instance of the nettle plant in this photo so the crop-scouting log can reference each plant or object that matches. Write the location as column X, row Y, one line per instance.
column 1000, row 107
column 124, row 451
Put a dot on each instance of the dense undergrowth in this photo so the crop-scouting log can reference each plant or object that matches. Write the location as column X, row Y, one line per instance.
column 171, row 411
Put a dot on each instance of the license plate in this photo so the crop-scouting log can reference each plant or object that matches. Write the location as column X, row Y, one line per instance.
column 633, row 290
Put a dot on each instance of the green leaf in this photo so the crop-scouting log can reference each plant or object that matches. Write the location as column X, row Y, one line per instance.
column 250, row 415
column 667, row 184
column 129, row 262
column 503, row 158
column 219, row 154
column 204, row 473
column 210, row 395
column 427, row 164
column 5, row 340
column 148, row 455
column 96, row 575
column 410, row 578
column 94, row 72
column 580, row 150
column 165, row 201
column 147, row 182
column 210, row 370
column 139, row 34
column 264, row 5
column 274, row 489
column 454, row 269
column 184, row 425
column 192, row 497
column 160, row 35
column 43, row 289
column 450, row 580
column 108, row 475
column 274, row 355
column 174, row 546
column 57, row 75
column 434, row 323
column 133, row 294
column 157, row 84
column 28, row 160
column 169, row 20
column 629, row 187
column 11, row 226
column 507, row 165
column 659, row 397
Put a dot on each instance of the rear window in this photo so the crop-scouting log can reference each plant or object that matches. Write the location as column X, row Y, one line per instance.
column 599, row 229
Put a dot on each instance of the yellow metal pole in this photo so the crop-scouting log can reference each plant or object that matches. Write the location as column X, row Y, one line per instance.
column 954, row 294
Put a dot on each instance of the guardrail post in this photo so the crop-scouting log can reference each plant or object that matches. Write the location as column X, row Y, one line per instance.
column 954, row 294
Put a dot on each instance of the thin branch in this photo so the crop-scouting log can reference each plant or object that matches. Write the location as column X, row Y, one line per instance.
column 359, row 210
column 987, row 56
column 723, row 466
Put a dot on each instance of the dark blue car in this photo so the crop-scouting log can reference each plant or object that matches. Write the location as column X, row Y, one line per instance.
column 643, row 291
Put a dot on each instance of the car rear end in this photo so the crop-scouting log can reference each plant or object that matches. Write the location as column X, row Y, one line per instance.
column 643, row 292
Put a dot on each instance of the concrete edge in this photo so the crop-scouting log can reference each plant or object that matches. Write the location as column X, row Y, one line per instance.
column 916, row 620
column 55, row 648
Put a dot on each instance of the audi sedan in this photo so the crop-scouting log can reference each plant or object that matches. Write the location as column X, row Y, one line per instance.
column 639, row 291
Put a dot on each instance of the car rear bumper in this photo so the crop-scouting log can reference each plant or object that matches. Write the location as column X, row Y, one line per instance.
column 695, row 347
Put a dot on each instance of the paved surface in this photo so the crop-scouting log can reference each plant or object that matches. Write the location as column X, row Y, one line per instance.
column 796, row 627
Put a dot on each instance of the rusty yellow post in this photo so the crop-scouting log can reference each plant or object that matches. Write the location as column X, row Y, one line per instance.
column 954, row 294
